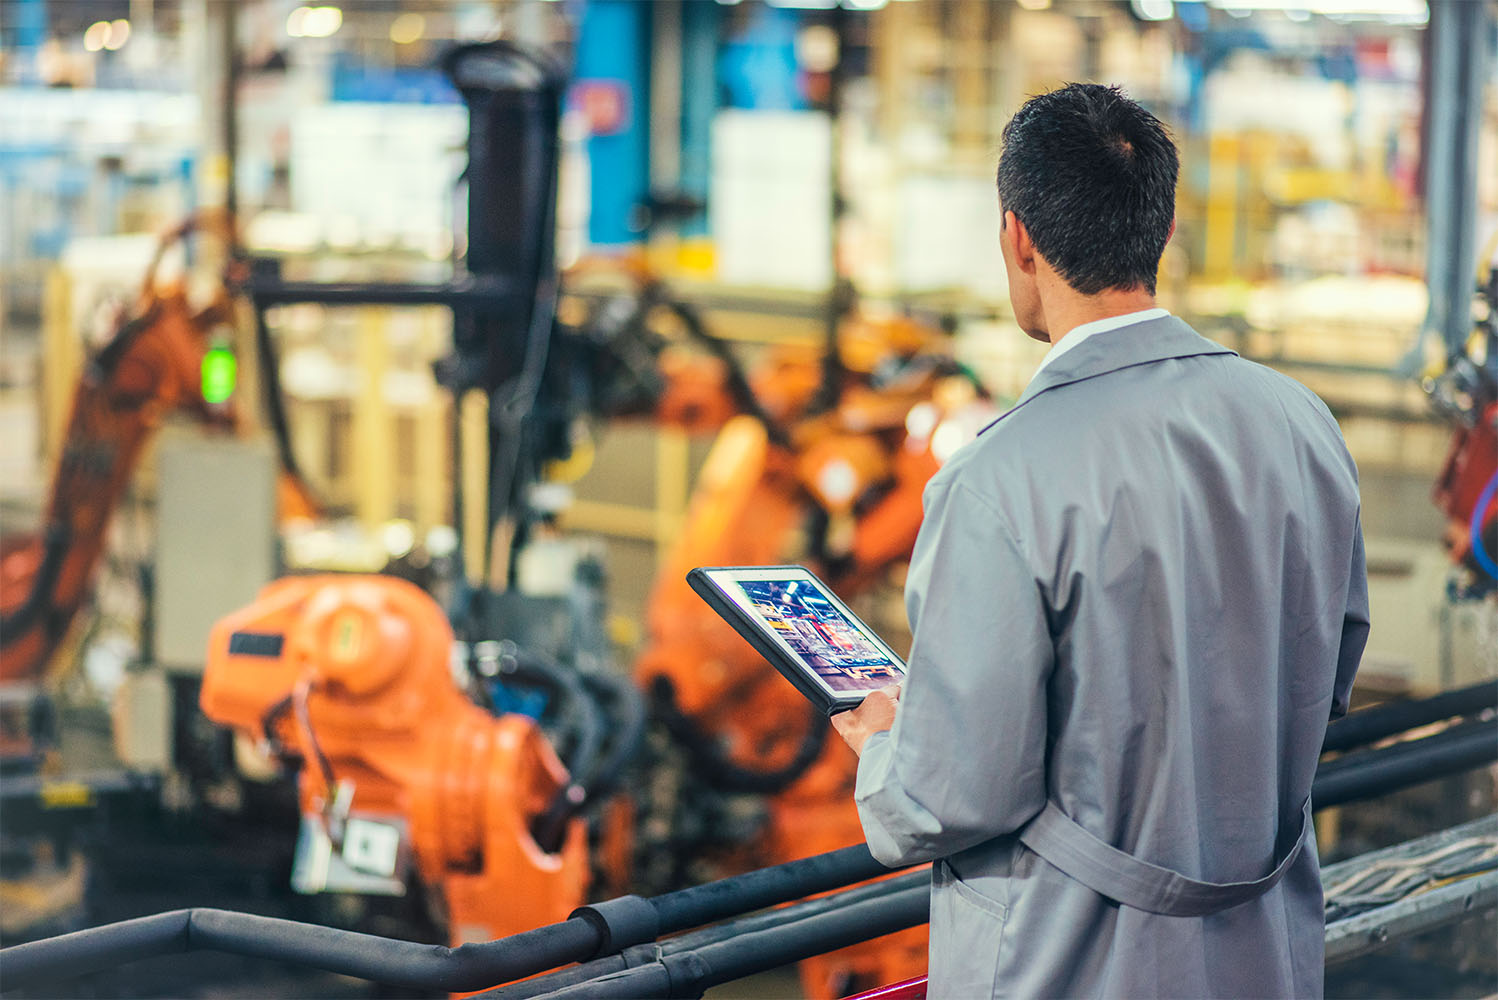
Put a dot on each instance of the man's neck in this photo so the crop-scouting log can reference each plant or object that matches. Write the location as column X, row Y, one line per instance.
column 1065, row 309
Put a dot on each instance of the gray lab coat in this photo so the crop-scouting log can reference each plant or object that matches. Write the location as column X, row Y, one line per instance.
column 1138, row 596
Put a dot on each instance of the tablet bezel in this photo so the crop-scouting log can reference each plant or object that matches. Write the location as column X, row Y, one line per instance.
column 714, row 584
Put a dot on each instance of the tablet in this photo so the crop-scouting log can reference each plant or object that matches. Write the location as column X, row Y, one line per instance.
column 800, row 626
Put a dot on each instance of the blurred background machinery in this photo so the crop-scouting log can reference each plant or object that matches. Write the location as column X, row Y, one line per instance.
column 535, row 306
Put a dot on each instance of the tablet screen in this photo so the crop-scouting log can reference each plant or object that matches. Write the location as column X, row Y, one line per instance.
column 813, row 625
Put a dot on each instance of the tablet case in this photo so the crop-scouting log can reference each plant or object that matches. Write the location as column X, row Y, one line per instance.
column 782, row 661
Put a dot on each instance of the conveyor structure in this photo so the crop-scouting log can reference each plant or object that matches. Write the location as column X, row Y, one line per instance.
column 1410, row 888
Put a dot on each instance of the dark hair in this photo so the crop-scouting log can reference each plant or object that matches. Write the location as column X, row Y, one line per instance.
column 1092, row 175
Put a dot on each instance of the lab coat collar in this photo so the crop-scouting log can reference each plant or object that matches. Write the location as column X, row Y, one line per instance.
column 1135, row 344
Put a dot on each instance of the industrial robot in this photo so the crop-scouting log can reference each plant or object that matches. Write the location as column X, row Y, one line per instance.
column 421, row 755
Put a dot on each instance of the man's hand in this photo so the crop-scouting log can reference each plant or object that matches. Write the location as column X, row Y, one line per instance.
column 874, row 714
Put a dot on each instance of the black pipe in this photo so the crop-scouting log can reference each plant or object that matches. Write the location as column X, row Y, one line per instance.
column 398, row 963
column 702, row 904
column 769, row 949
column 1379, row 772
column 693, row 940
column 1370, row 724
column 403, row 963
column 688, row 973
column 778, row 916
column 477, row 966
column 483, row 294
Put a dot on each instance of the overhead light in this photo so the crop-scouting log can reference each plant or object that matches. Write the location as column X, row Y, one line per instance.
column 922, row 420
column 314, row 22
column 1153, row 10
column 96, row 35
column 947, row 438
column 817, row 49
column 1035, row 4
column 119, row 34
column 407, row 28
column 865, row 4
column 398, row 537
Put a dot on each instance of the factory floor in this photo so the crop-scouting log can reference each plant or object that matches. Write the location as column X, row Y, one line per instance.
column 155, row 857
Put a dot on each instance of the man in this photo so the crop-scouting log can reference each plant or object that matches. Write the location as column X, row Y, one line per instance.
column 1137, row 599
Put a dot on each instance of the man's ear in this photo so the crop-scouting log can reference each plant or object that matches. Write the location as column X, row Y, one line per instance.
column 1017, row 237
column 1171, row 235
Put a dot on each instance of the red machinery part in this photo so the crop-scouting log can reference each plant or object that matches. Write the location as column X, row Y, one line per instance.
column 351, row 674
column 1469, row 466
column 151, row 367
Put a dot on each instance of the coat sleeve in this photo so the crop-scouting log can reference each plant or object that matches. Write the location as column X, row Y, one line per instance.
column 1354, row 626
column 965, row 761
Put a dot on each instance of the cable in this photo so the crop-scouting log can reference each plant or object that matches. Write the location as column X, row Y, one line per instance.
column 583, row 762
column 737, row 382
column 629, row 725
column 274, row 397
column 1479, row 514
column 709, row 759
column 337, row 795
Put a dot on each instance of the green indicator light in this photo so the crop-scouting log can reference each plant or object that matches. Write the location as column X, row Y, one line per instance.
column 220, row 372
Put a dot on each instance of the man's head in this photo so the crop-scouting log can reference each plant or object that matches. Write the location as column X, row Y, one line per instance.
column 1089, row 176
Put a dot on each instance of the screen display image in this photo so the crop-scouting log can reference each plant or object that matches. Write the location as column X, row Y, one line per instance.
column 813, row 628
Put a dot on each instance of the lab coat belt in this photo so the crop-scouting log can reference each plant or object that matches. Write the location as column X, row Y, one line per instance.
column 1131, row 881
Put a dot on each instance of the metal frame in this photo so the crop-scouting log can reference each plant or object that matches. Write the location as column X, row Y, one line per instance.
column 1416, row 913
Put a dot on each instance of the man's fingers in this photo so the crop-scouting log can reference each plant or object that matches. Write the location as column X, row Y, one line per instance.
column 874, row 714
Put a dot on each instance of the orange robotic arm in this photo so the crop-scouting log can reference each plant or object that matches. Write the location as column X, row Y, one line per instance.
column 351, row 674
column 151, row 367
